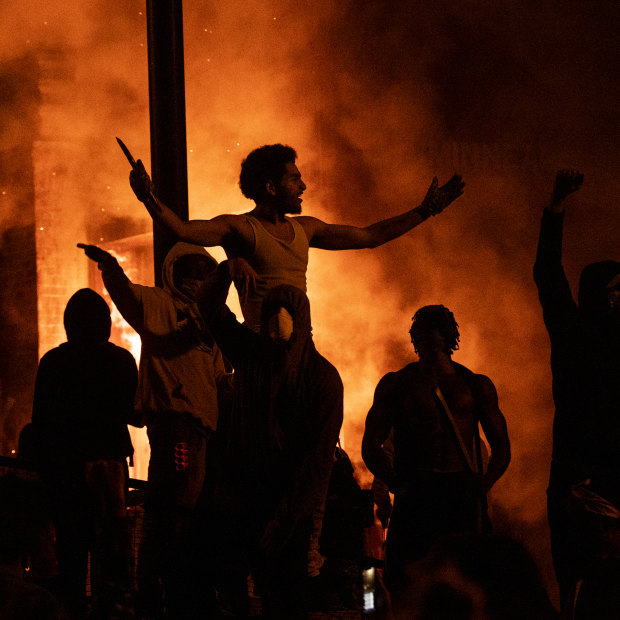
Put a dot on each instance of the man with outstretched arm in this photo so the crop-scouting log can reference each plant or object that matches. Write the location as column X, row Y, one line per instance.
column 274, row 244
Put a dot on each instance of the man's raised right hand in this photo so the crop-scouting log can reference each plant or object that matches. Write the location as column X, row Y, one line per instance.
column 140, row 182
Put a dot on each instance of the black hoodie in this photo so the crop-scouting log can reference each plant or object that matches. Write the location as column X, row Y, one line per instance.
column 585, row 364
column 84, row 390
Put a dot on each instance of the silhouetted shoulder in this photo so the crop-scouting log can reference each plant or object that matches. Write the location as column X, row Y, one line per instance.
column 403, row 376
column 121, row 352
column 50, row 356
column 395, row 381
column 486, row 385
column 329, row 373
column 387, row 382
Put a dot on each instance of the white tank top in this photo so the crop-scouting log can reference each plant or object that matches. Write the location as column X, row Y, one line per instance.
column 276, row 262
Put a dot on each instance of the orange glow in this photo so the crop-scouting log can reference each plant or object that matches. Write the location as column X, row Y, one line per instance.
column 376, row 98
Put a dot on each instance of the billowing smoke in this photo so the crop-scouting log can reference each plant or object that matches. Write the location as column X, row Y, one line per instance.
column 377, row 97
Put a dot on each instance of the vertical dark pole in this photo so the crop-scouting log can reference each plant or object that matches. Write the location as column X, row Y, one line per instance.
column 167, row 114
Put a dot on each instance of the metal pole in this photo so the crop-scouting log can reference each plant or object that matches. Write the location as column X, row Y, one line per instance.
column 167, row 116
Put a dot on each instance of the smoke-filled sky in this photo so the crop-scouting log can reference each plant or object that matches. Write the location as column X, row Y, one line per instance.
column 376, row 97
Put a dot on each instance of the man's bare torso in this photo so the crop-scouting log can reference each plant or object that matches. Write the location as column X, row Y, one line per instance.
column 423, row 431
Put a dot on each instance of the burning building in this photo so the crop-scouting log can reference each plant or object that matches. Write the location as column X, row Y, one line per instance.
column 376, row 98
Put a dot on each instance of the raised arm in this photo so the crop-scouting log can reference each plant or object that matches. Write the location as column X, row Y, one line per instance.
column 377, row 430
column 566, row 182
column 553, row 287
column 494, row 426
column 340, row 237
column 122, row 291
column 224, row 230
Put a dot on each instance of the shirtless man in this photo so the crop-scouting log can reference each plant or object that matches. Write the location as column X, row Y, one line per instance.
column 437, row 479
column 275, row 245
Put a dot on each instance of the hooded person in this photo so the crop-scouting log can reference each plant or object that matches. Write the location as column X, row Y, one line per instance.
column 83, row 401
column 279, row 440
column 181, row 380
column 585, row 365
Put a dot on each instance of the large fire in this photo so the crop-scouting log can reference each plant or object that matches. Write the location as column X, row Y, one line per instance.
column 376, row 98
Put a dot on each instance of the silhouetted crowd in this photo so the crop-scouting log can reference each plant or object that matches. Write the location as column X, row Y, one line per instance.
column 249, row 495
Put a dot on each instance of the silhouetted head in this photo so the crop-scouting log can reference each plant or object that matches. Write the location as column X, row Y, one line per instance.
column 266, row 165
column 186, row 269
column 87, row 318
column 599, row 290
column 434, row 326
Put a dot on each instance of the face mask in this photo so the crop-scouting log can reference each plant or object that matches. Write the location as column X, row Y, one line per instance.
column 280, row 326
column 190, row 286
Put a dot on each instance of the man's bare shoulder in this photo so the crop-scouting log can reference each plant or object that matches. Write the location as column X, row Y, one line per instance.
column 388, row 379
column 485, row 390
column 237, row 219
column 235, row 222
column 484, row 382
column 479, row 379
column 230, row 230
column 310, row 224
column 307, row 219
column 393, row 379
